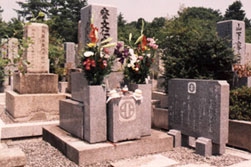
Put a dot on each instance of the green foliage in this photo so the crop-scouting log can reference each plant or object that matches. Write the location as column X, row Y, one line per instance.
column 3, row 64
column 240, row 104
column 56, row 56
column 62, row 15
column 193, row 50
column 234, row 12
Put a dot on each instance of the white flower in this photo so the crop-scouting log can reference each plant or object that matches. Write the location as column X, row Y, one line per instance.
column 88, row 53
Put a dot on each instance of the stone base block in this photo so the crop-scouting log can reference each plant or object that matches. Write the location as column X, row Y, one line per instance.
column 204, row 146
column 77, row 84
column 21, row 130
column 71, row 114
column 31, row 83
column 10, row 157
column 123, row 115
column 30, row 107
column 83, row 153
column 145, row 107
column 160, row 118
column 176, row 137
column 62, row 87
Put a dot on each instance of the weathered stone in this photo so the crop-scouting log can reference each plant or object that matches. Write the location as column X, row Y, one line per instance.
column 162, row 97
column 70, row 55
column 200, row 108
column 145, row 107
column 123, row 115
column 71, row 114
column 204, row 146
column 103, row 17
column 234, row 30
column 37, row 52
column 10, row 157
column 24, row 107
column 78, row 83
column 240, row 134
column 176, row 137
column 27, row 129
column 62, row 87
column 160, row 118
column 95, row 114
column 31, row 83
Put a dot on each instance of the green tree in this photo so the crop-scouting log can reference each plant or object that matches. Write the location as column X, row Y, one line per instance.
column 235, row 12
column 65, row 15
column 31, row 8
column 195, row 51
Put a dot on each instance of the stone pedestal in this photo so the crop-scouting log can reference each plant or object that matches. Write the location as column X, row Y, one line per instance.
column 124, row 119
column 95, row 114
column 88, row 120
column 71, row 114
column 31, row 107
column 32, row 83
column 145, row 107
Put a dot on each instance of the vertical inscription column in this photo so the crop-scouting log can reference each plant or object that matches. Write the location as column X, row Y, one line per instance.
column 37, row 52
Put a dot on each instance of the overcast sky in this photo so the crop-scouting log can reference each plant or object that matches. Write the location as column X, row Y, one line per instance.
column 147, row 9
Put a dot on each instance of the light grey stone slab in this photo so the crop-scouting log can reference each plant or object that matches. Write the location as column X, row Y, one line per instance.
column 84, row 153
column 71, row 115
column 95, row 116
column 145, row 106
column 123, row 116
column 70, row 55
column 29, row 129
column 78, row 83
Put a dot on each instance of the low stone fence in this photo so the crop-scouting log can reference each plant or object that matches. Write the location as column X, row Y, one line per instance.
column 240, row 134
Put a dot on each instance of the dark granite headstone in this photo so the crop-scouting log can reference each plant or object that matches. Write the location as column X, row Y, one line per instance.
column 200, row 108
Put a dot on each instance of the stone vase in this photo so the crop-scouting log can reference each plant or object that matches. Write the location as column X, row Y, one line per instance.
column 95, row 114
column 145, row 107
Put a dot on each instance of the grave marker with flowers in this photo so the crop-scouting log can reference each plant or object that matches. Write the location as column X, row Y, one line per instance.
column 137, row 58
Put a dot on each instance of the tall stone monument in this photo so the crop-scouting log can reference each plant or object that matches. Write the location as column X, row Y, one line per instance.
column 200, row 109
column 35, row 93
column 103, row 17
column 234, row 30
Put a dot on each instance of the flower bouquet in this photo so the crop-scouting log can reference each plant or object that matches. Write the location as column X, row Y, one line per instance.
column 137, row 57
column 96, row 60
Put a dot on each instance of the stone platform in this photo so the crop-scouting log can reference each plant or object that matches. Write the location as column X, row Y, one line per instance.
column 84, row 153
column 30, row 107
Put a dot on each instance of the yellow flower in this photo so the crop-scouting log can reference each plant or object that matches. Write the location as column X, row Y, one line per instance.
column 90, row 45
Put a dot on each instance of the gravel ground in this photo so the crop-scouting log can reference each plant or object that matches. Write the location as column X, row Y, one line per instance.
column 41, row 154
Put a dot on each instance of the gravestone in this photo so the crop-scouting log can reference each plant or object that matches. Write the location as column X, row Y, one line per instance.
column 35, row 94
column 70, row 55
column 11, row 49
column 103, row 17
column 37, row 52
column 200, row 108
column 234, row 30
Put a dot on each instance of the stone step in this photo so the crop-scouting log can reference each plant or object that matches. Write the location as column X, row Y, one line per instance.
column 83, row 153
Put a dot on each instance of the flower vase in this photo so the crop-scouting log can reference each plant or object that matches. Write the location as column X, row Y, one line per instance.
column 95, row 126
column 145, row 106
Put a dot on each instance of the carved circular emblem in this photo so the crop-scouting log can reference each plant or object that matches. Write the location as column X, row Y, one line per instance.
column 127, row 110
column 191, row 87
